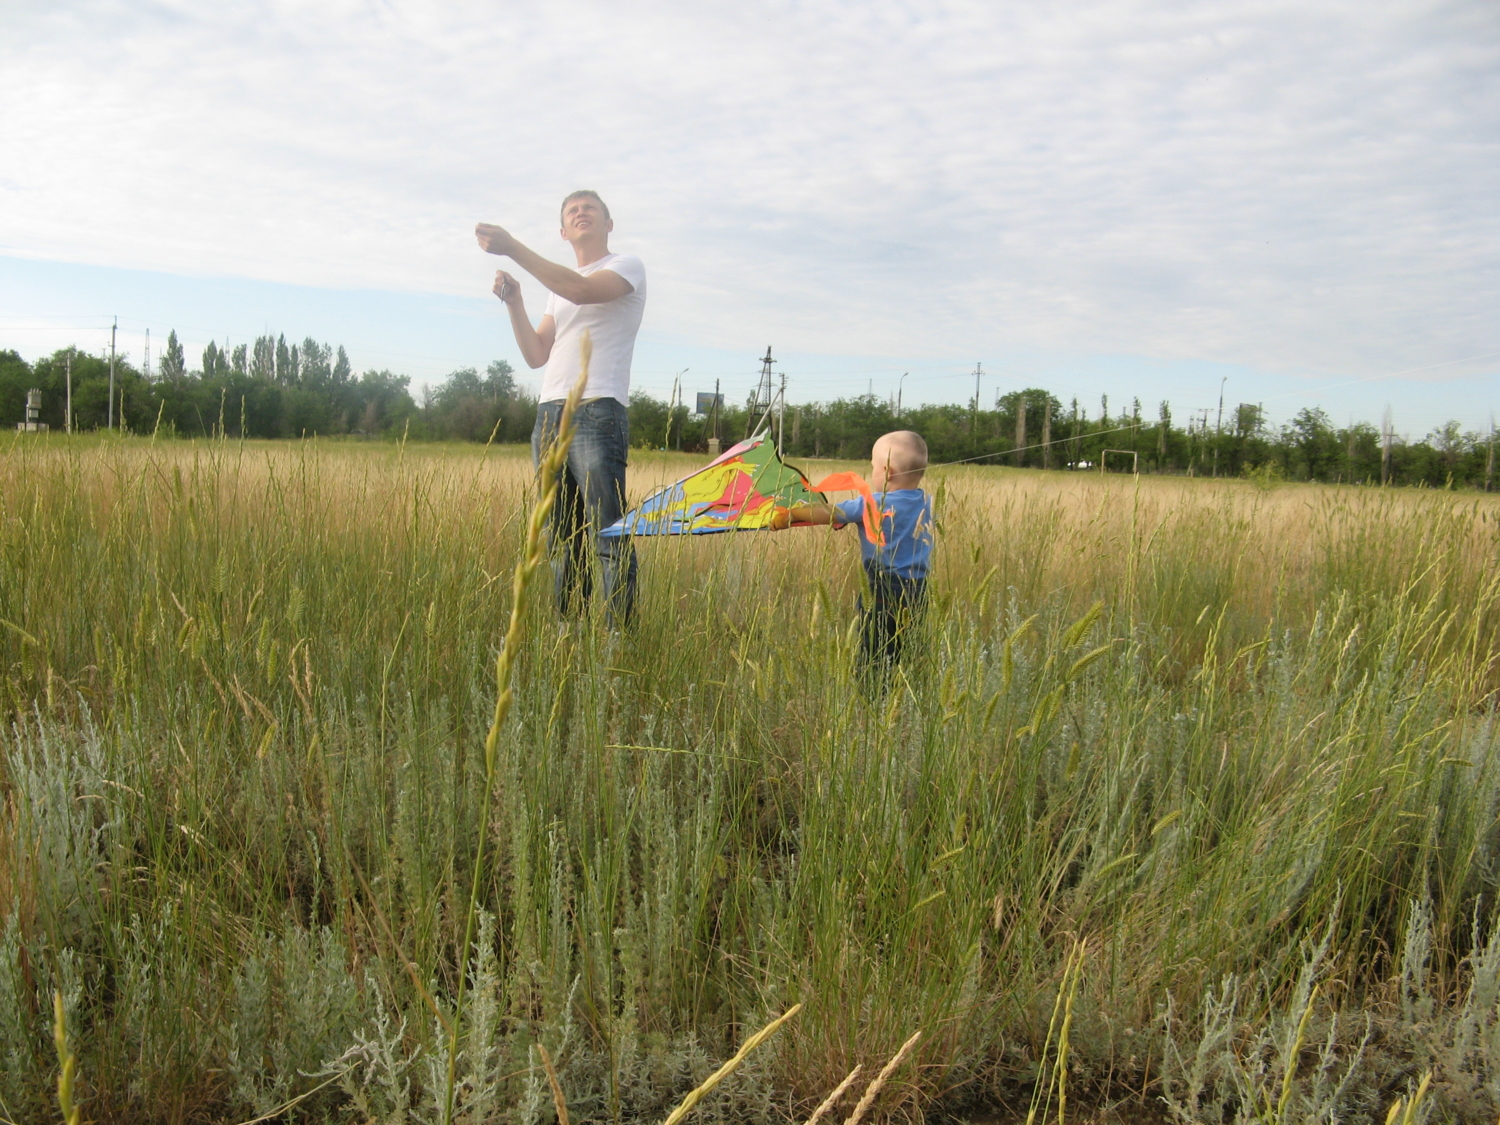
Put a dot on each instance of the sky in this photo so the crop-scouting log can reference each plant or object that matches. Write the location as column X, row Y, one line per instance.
column 1281, row 202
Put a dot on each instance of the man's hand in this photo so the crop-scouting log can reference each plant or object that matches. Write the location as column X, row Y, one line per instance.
column 507, row 288
column 495, row 240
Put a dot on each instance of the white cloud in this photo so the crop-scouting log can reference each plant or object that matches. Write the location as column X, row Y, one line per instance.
column 1291, row 186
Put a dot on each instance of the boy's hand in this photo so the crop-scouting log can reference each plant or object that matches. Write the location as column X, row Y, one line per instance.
column 781, row 518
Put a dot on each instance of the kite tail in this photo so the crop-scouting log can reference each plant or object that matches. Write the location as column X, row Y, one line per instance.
column 853, row 482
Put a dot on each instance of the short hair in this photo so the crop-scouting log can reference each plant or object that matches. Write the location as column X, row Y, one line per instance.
column 908, row 452
column 584, row 193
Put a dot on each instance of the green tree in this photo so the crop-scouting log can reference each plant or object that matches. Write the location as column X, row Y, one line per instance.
column 314, row 361
column 1361, row 446
column 1163, row 434
column 263, row 359
column 1311, row 435
column 173, row 362
column 500, row 381
column 286, row 362
column 471, row 408
column 216, row 363
column 15, row 380
column 385, row 404
column 1007, row 415
column 1449, row 442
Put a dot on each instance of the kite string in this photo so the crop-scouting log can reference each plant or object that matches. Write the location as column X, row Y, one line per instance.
column 1038, row 445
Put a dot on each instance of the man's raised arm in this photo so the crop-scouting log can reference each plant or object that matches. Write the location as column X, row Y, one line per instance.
column 535, row 343
column 570, row 285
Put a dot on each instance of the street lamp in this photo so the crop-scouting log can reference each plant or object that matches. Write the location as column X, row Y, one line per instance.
column 900, row 384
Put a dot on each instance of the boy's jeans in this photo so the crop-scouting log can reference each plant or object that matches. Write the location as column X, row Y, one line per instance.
column 591, row 496
column 893, row 610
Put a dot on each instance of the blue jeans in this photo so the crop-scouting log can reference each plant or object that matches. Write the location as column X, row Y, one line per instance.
column 590, row 497
column 894, row 610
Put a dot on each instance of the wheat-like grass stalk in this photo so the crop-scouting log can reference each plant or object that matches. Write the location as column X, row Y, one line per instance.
column 559, row 1102
column 876, row 1086
column 68, row 1064
column 1288, row 1078
column 1403, row 1111
column 1064, row 1038
column 533, row 554
column 832, row 1099
column 687, row 1103
column 1062, row 1023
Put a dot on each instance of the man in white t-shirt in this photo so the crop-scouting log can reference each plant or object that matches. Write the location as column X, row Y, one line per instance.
column 605, row 296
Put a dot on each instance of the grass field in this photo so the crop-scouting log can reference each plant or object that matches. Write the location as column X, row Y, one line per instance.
column 1217, row 767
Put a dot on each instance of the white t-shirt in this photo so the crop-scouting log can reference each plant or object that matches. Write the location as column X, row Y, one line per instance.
column 611, row 326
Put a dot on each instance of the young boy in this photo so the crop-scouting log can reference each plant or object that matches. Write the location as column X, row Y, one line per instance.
column 897, row 570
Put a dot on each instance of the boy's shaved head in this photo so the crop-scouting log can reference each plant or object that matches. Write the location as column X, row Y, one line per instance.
column 899, row 459
column 904, row 450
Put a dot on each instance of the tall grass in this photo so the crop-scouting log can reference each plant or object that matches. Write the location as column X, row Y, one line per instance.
column 245, row 778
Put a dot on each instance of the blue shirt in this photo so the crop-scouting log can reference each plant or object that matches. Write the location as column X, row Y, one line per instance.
column 908, row 531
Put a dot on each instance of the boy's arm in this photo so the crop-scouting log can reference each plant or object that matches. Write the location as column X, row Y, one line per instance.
column 804, row 515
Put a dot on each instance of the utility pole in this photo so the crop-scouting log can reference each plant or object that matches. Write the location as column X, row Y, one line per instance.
column 1047, row 434
column 68, row 418
column 666, row 440
column 1489, row 464
column 761, row 400
column 978, row 371
column 900, row 385
column 1202, row 437
column 148, row 356
column 112, row 373
column 1020, row 430
column 713, row 442
column 1219, row 425
column 1385, row 447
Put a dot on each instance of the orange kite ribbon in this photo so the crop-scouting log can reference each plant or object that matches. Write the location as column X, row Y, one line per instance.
column 853, row 482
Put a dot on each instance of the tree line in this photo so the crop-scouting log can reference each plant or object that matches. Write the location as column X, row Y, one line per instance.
column 1032, row 428
column 272, row 389
column 269, row 389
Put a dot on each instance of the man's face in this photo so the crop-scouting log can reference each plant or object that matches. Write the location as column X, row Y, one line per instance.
column 584, row 218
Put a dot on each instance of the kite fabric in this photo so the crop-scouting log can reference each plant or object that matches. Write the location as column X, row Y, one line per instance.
column 740, row 491
column 873, row 516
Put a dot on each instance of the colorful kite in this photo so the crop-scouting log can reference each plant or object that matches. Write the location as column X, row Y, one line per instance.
column 740, row 491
